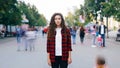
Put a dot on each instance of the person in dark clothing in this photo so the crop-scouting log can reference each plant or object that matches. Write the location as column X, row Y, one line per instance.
column 82, row 34
column 102, row 31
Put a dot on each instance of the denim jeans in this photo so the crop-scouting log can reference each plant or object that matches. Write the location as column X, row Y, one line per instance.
column 103, row 37
column 74, row 39
column 18, row 39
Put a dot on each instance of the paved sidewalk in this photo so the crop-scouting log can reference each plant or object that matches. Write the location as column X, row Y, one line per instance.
column 83, row 55
column 6, row 39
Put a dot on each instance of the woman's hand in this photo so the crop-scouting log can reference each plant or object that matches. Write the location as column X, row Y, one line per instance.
column 69, row 60
column 49, row 62
column 48, row 59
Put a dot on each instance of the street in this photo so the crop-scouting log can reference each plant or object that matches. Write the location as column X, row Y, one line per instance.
column 83, row 55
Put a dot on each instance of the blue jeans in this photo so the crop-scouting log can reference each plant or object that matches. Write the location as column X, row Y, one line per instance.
column 103, row 37
column 74, row 39
column 18, row 39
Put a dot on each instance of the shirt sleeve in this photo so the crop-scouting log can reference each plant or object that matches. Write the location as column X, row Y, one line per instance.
column 69, row 40
column 48, row 45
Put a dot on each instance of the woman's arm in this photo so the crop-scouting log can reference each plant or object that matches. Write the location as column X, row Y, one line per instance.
column 69, row 58
column 48, row 59
column 69, row 47
column 48, row 51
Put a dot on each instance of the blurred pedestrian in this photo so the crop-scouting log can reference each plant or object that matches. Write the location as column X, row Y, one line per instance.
column 73, row 34
column 30, row 39
column 97, row 28
column 82, row 34
column 100, row 62
column 18, row 36
column 94, row 36
column 102, row 31
column 58, row 43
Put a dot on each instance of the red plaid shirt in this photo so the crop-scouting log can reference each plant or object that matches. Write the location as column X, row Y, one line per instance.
column 66, row 45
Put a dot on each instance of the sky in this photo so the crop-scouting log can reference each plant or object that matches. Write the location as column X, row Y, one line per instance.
column 49, row 7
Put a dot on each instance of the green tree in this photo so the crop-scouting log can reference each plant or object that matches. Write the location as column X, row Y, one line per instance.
column 9, row 12
column 42, row 21
column 32, row 14
column 116, row 5
column 69, row 19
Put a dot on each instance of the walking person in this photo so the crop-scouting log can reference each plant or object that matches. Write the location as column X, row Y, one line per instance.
column 73, row 34
column 102, row 31
column 97, row 28
column 30, row 39
column 82, row 34
column 58, row 43
column 18, row 37
column 94, row 36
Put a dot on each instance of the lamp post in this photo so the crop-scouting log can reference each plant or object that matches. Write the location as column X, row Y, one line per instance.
column 24, row 21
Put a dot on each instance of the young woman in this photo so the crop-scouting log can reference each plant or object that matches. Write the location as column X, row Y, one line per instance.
column 58, row 43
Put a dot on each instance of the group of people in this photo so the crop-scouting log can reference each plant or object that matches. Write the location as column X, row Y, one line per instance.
column 98, row 32
column 73, row 32
column 59, row 43
column 26, row 37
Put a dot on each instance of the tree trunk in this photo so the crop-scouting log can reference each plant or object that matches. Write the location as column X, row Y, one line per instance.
column 10, row 30
column 107, row 26
column 6, row 31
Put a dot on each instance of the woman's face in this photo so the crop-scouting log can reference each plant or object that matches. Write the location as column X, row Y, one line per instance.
column 58, row 20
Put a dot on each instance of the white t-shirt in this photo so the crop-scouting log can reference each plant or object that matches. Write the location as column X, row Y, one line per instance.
column 102, row 29
column 58, row 42
column 30, row 35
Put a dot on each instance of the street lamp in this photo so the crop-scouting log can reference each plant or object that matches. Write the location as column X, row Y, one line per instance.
column 24, row 21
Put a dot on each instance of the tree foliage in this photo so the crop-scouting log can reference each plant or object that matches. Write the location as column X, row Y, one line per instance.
column 31, row 12
column 9, row 12
column 107, row 8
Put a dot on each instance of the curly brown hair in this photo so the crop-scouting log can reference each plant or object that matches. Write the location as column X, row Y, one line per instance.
column 53, row 26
